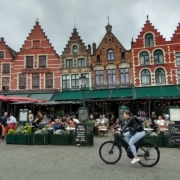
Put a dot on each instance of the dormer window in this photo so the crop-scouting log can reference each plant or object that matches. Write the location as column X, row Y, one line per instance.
column 1, row 54
column 75, row 49
column 149, row 40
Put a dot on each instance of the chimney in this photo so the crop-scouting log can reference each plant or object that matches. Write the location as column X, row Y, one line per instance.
column 94, row 48
column 89, row 49
column 2, row 39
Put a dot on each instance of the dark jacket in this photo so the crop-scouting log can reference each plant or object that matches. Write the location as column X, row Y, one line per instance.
column 4, row 120
column 130, row 124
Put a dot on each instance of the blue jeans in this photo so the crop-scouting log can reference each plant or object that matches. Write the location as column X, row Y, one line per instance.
column 131, row 140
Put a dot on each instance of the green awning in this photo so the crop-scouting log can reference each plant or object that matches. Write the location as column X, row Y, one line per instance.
column 100, row 94
column 43, row 96
column 20, row 95
column 71, row 95
column 157, row 91
column 121, row 93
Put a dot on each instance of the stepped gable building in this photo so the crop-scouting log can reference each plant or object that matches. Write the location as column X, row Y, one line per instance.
column 75, row 62
column 111, row 63
column 36, row 67
column 153, row 59
column 7, row 56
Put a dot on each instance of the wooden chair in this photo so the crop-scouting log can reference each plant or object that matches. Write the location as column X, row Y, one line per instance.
column 103, row 128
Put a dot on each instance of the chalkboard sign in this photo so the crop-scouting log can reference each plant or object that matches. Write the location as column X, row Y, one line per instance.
column 83, row 114
column 23, row 115
column 174, row 134
column 81, row 134
column 174, row 113
column 121, row 112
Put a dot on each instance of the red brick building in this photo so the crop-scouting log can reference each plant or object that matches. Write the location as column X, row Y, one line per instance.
column 155, row 60
column 7, row 56
column 36, row 67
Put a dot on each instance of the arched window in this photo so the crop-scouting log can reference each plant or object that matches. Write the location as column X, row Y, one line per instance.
column 123, row 55
column 158, row 56
column 98, row 59
column 160, row 76
column 144, row 58
column 145, row 77
column 149, row 41
column 110, row 54
column 75, row 50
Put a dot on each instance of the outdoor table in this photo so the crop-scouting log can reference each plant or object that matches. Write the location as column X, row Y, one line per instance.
column 70, row 129
column 148, row 129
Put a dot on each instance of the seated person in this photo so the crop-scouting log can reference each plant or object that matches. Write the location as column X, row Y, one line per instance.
column 49, row 123
column 160, row 123
column 57, row 125
column 104, row 120
column 116, row 125
column 70, row 122
column 45, row 120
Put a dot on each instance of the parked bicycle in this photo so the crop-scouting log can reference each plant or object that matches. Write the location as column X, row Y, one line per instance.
column 110, row 151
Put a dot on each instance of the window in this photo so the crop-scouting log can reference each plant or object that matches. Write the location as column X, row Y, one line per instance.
column 87, row 79
column 123, row 55
column 69, row 63
column 75, row 80
column 111, row 73
column 5, row 83
column 145, row 77
column 178, row 73
column 149, row 40
column 75, row 50
column 35, row 81
column 98, row 59
column 49, row 80
column 22, row 81
column 29, row 61
column 1, row 54
column 99, row 77
column 160, row 76
column 144, row 58
column 110, row 54
column 42, row 61
column 178, row 59
column 158, row 57
column 65, row 82
column 6, row 68
column 124, row 75
column 81, row 62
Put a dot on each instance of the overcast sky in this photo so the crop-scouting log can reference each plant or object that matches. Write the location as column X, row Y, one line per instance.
column 57, row 19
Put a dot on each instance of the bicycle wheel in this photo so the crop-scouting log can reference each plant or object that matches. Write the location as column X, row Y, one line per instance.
column 148, row 153
column 110, row 152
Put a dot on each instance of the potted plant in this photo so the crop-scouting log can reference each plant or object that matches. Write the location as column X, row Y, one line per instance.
column 10, row 137
column 90, row 125
column 59, row 113
column 40, row 137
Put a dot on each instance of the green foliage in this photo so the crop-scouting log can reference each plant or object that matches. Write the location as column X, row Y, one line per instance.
column 90, row 123
column 161, row 110
column 59, row 113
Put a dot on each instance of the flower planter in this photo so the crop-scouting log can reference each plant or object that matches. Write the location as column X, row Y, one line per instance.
column 56, row 139
column 10, row 139
column 71, row 138
column 38, row 139
column 158, row 140
column 20, row 139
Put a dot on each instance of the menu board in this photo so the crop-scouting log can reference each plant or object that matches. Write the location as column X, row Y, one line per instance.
column 81, row 134
column 121, row 112
column 174, row 134
column 23, row 115
column 174, row 114
column 83, row 114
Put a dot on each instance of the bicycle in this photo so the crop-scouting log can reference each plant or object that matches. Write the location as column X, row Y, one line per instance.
column 110, row 149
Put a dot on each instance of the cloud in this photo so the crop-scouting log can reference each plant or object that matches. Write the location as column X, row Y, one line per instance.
column 57, row 18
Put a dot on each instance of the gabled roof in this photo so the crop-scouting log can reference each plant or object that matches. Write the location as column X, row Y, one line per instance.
column 76, row 39
column 176, row 36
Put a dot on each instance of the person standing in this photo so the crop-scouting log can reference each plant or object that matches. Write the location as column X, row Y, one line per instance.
column 31, row 117
column 3, row 125
column 11, row 122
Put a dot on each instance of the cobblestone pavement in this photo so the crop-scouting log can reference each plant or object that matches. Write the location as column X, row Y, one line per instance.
column 23, row 162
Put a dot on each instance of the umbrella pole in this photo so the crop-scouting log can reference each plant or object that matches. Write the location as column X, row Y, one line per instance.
column 149, row 107
column 70, row 108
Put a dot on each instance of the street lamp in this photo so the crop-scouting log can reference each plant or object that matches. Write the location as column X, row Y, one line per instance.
column 83, row 82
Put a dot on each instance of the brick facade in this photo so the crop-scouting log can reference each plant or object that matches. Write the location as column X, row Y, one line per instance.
column 36, row 58
column 154, row 58
column 111, row 55
column 75, row 60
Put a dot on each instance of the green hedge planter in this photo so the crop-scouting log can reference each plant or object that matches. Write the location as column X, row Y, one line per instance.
column 38, row 139
column 10, row 139
column 56, row 139
column 158, row 140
